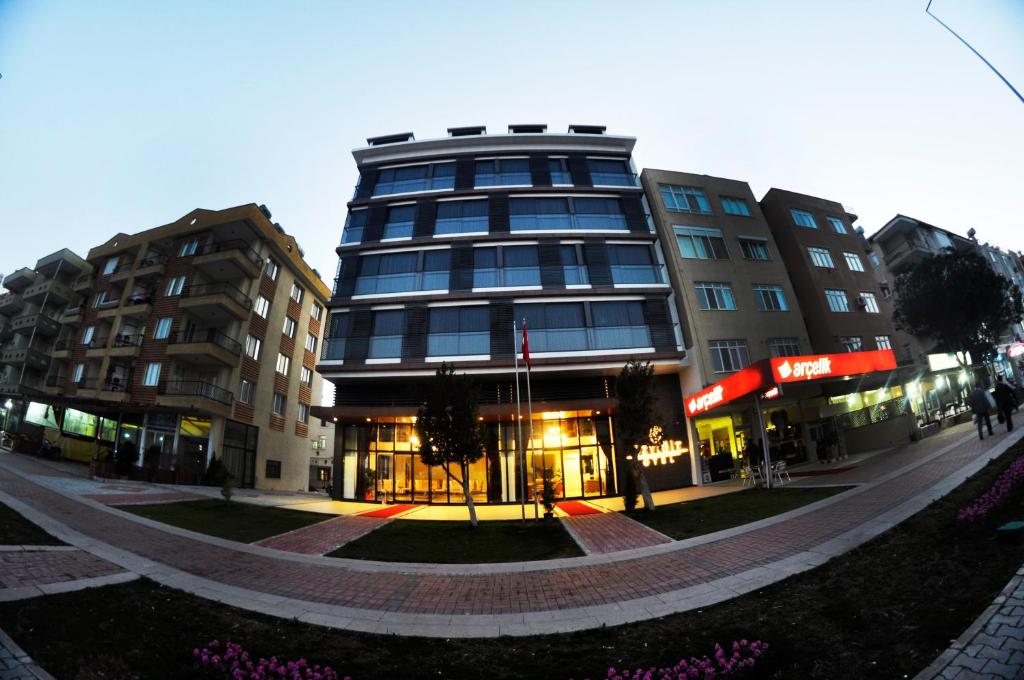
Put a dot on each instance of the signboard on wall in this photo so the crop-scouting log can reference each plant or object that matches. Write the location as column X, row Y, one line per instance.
column 816, row 367
column 741, row 383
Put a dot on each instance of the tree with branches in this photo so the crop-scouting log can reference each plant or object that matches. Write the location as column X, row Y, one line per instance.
column 635, row 391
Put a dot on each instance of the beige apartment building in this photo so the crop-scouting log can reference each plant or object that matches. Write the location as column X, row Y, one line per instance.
column 192, row 340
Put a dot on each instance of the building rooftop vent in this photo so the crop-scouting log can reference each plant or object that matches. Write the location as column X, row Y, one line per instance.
column 587, row 129
column 527, row 128
column 467, row 131
column 265, row 210
column 279, row 228
column 391, row 139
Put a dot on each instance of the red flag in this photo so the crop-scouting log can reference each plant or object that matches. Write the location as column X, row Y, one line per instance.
column 526, row 347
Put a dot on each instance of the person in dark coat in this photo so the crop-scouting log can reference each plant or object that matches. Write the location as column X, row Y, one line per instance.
column 1006, row 401
column 980, row 405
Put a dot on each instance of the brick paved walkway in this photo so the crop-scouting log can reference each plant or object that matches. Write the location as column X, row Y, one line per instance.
column 323, row 537
column 29, row 567
column 610, row 532
column 508, row 599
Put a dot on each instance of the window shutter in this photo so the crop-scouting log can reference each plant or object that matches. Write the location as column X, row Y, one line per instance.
column 501, row 330
column 498, row 213
column 349, row 267
column 358, row 344
column 426, row 212
column 579, row 170
column 596, row 255
column 657, row 319
column 414, row 344
column 551, row 273
column 460, row 277
column 375, row 220
column 465, row 173
column 633, row 209
column 539, row 171
column 367, row 182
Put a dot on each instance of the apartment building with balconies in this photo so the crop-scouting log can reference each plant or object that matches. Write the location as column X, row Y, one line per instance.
column 451, row 241
column 195, row 339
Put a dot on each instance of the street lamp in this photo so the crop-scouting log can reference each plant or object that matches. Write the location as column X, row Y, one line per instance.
column 8, row 405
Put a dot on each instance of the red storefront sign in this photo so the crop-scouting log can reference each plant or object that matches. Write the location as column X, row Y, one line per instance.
column 1015, row 350
column 750, row 379
column 816, row 367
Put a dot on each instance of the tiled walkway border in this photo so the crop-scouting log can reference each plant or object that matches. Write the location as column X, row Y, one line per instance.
column 15, row 664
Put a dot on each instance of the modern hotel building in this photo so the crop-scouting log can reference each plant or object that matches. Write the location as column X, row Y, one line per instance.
column 448, row 243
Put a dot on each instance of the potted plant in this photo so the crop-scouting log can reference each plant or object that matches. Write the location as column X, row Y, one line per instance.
column 369, row 484
column 547, row 492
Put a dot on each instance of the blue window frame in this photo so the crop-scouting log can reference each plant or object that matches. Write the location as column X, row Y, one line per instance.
column 770, row 298
column 403, row 272
column 802, row 218
column 685, row 199
column 559, row 168
column 461, row 217
column 526, row 214
column 506, row 266
column 424, row 177
column 574, row 268
column 735, row 206
column 354, row 226
column 386, row 336
column 459, row 331
column 631, row 264
column 503, row 172
column 610, row 172
column 400, row 221
column 837, row 224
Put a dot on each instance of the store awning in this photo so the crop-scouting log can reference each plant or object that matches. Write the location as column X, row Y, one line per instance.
column 767, row 374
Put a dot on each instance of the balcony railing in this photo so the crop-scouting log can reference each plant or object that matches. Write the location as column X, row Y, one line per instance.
column 333, row 349
column 198, row 388
column 152, row 260
column 127, row 340
column 56, row 380
column 210, row 335
column 62, row 344
column 142, row 299
column 88, row 383
column 109, row 304
column 201, row 289
column 232, row 244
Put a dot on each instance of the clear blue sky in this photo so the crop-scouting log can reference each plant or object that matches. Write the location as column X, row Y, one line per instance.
column 120, row 116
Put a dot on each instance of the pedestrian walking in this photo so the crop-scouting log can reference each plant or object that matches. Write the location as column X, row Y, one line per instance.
column 982, row 404
column 1006, row 401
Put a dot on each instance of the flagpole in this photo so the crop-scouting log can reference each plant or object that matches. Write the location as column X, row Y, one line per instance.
column 520, row 451
column 533, row 451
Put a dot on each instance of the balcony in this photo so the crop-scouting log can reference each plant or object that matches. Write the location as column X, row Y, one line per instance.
column 63, row 261
column 41, row 324
column 71, row 315
column 216, row 303
column 20, row 280
column 137, row 305
column 196, row 394
column 11, row 303
column 87, row 388
column 125, row 345
column 151, row 266
column 906, row 255
column 50, row 291
column 205, row 347
column 25, row 356
column 55, row 384
column 82, row 283
column 228, row 260
column 5, row 330
column 15, row 386
column 61, row 349
column 108, row 308
column 112, row 390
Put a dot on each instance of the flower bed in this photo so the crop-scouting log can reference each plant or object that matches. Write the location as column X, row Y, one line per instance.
column 743, row 657
column 232, row 661
column 983, row 506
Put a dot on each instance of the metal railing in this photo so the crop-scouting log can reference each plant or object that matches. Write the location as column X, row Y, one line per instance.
column 72, row 310
column 62, row 344
column 198, row 388
column 876, row 413
column 232, row 244
column 151, row 260
column 210, row 335
column 127, row 340
column 201, row 289
column 88, row 383
column 333, row 349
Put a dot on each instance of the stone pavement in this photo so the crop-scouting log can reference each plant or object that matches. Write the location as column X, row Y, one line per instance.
column 28, row 571
column 528, row 598
column 15, row 664
column 324, row 537
column 610, row 532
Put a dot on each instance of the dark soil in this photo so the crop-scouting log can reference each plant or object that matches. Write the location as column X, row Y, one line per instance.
column 16, row 530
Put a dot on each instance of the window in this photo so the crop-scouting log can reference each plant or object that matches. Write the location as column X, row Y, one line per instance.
column 337, row 332
column 820, row 257
column 355, row 225
column 837, row 224
column 399, row 222
column 461, row 217
column 883, row 342
column 283, row 364
column 252, row 347
column 289, row 327
column 273, row 469
column 873, row 258
column 632, row 264
column 317, row 312
column 88, row 334
column 262, row 306
column 386, row 335
column 111, row 266
column 562, row 327
column 685, row 199
column 853, row 261
column 79, row 422
column 886, row 291
column 78, row 373
column 403, row 272
column 802, row 218
column 728, row 355
column 303, row 414
column 701, row 244
column 851, row 343
column 618, row 325
column 271, row 268
column 837, row 301
column 163, row 329
column 868, row 302
column 574, row 269
column 245, row 391
column 459, row 331
column 714, row 296
column 297, row 293
column 425, row 177
column 310, row 343
column 306, row 377
column 559, row 169
column 769, row 298
column 503, row 172
column 188, row 248
column 784, row 347
column 278, row 403
column 610, row 172
column 531, row 214
column 735, row 206
column 506, row 266
column 754, row 249
column 175, row 286
column 152, row 378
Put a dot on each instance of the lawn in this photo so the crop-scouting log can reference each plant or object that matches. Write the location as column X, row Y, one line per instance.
column 16, row 530
column 458, row 542
column 884, row 610
column 235, row 521
column 707, row 515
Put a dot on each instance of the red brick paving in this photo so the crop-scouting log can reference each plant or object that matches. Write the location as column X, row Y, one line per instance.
column 29, row 568
column 322, row 538
column 610, row 532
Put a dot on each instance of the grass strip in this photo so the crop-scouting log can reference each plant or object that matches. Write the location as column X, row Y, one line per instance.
column 16, row 530
column 241, row 522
